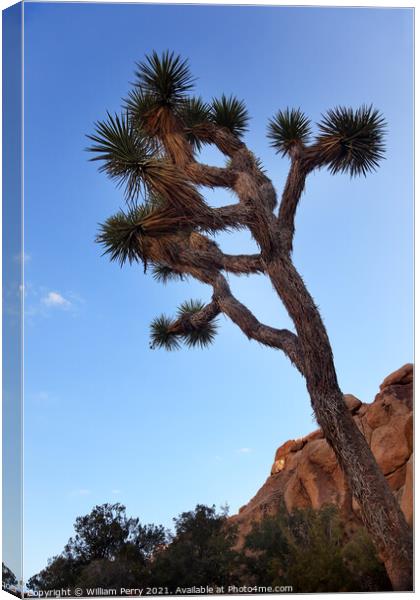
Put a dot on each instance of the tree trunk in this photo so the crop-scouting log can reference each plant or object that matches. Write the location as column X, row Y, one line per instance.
column 380, row 511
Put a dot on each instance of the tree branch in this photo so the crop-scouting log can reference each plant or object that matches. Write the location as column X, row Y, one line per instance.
column 232, row 216
column 221, row 137
column 202, row 174
column 245, row 177
column 203, row 253
column 243, row 264
column 282, row 339
column 292, row 193
column 197, row 320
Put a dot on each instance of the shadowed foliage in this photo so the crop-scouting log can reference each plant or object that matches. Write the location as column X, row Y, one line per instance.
column 164, row 274
column 201, row 552
column 108, row 549
column 310, row 550
column 7, row 576
column 306, row 549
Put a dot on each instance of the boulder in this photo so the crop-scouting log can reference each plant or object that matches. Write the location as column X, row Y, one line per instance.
column 389, row 444
column 320, row 453
column 315, row 435
column 352, row 403
column 407, row 494
column 401, row 376
column 396, row 479
column 377, row 414
column 305, row 472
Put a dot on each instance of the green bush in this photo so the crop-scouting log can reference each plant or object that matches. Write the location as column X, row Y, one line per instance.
column 306, row 549
column 309, row 550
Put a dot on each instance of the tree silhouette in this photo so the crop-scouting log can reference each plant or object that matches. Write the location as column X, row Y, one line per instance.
column 108, row 549
column 151, row 150
column 7, row 576
column 200, row 553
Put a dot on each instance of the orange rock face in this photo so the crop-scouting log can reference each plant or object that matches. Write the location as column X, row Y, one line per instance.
column 305, row 472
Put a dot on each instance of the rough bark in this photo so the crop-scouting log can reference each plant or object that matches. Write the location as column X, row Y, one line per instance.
column 281, row 339
column 380, row 511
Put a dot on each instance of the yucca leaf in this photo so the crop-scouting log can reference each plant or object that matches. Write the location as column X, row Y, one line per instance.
column 126, row 154
column 163, row 274
column 352, row 141
column 201, row 336
column 161, row 336
column 130, row 157
column 123, row 235
column 139, row 106
column 230, row 113
column 190, row 307
column 287, row 128
column 166, row 78
column 194, row 113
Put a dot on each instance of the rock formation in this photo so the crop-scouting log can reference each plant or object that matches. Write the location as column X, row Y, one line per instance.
column 305, row 472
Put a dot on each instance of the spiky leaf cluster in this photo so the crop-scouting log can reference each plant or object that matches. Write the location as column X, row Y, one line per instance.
column 139, row 105
column 161, row 335
column 194, row 112
column 166, row 333
column 352, row 141
column 287, row 128
column 201, row 336
column 166, row 78
column 163, row 274
column 190, row 307
column 121, row 235
column 230, row 113
column 127, row 155
column 131, row 158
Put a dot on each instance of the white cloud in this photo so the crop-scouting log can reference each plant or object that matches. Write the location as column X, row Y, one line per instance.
column 55, row 299
column 116, row 492
column 245, row 450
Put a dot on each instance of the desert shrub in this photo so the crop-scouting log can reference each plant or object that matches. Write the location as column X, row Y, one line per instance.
column 309, row 550
column 108, row 550
column 200, row 553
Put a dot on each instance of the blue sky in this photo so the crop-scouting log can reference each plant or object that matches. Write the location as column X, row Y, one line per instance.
column 106, row 418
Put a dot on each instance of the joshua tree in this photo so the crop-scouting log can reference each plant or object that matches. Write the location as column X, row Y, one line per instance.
column 152, row 149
